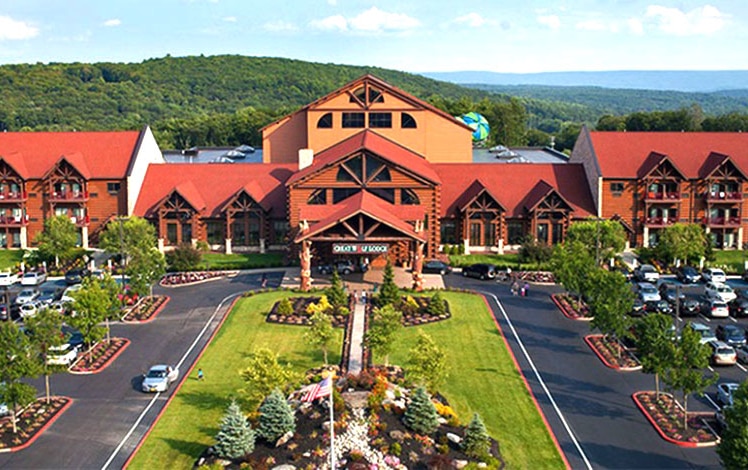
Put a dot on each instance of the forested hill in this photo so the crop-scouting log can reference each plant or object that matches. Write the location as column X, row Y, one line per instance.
column 104, row 96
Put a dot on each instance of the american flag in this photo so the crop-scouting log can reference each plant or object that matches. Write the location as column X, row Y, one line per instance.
column 318, row 390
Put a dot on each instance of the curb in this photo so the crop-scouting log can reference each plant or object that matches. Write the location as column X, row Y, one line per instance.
column 588, row 340
column 43, row 428
column 527, row 385
column 566, row 314
column 662, row 434
column 181, row 382
column 152, row 317
column 106, row 364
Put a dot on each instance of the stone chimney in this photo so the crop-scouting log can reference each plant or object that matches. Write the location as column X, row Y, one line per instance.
column 306, row 157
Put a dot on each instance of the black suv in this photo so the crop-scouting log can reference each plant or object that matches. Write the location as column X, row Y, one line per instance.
column 342, row 267
column 688, row 275
column 480, row 270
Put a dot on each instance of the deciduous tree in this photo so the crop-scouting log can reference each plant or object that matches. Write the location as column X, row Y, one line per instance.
column 264, row 374
column 16, row 363
column 385, row 323
column 654, row 337
column 321, row 333
column 733, row 447
column 58, row 239
column 427, row 363
column 45, row 332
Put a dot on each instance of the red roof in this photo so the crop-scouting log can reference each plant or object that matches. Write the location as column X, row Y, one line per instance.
column 100, row 154
column 511, row 184
column 211, row 185
column 376, row 144
column 366, row 203
column 622, row 154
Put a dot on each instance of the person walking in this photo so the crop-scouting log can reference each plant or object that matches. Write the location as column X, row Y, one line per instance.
column 526, row 289
column 515, row 287
column 264, row 280
column 363, row 297
column 200, row 375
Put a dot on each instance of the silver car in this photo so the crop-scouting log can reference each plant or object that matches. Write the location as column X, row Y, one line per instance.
column 159, row 378
column 725, row 391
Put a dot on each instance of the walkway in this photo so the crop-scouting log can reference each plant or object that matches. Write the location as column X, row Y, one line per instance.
column 356, row 356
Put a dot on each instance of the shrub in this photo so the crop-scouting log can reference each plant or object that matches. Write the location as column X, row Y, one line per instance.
column 285, row 307
column 323, row 306
column 420, row 416
column 336, row 294
column 532, row 251
column 476, row 441
column 276, row 417
column 436, row 304
column 236, row 437
column 396, row 449
column 409, row 306
column 183, row 258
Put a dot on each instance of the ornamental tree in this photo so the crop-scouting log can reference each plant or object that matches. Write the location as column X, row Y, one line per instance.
column 610, row 299
column 733, row 447
column 321, row 334
column 336, row 294
column 236, row 438
column 385, row 323
column 606, row 237
column 572, row 264
column 45, row 332
column 276, row 417
column 264, row 374
column 687, row 242
column 58, row 239
column 145, row 266
column 427, row 363
column 95, row 303
column 654, row 343
column 421, row 415
column 477, row 442
column 16, row 363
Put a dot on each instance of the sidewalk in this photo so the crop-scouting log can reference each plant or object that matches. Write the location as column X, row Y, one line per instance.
column 363, row 281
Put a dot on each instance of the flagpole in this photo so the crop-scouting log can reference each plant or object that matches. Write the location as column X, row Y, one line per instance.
column 332, row 426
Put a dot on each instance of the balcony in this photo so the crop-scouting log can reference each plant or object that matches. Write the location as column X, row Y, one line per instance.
column 80, row 221
column 662, row 197
column 10, row 221
column 660, row 221
column 68, row 196
column 722, row 221
column 13, row 196
column 724, row 196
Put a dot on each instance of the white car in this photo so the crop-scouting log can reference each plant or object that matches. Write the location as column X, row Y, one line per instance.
column 26, row 295
column 725, row 391
column 646, row 273
column 29, row 309
column 159, row 378
column 718, row 290
column 67, row 294
column 648, row 292
column 62, row 355
column 713, row 275
column 8, row 279
column 33, row 278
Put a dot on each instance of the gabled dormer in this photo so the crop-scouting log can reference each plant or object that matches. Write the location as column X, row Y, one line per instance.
column 722, row 179
column 13, row 175
column 67, row 180
column 549, row 213
column 660, row 179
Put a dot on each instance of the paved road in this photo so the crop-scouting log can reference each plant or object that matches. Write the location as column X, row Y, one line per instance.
column 594, row 401
column 108, row 404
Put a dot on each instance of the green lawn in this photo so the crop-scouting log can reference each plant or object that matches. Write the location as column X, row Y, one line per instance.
column 510, row 260
column 733, row 260
column 10, row 258
column 242, row 260
column 483, row 379
column 192, row 419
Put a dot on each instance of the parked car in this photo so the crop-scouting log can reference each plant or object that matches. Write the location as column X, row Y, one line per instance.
column 33, row 278
column 646, row 273
column 739, row 307
column 703, row 331
column 742, row 352
column 29, row 309
column 713, row 275
column 687, row 275
column 481, row 271
column 26, row 295
column 74, row 337
column 718, row 290
column 648, row 292
column 342, row 267
column 4, row 312
column 638, row 308
column 725, row 391
column 8, row 279
column 731, row 334
column 659, row 306
column 159, row 378
column 48, row 295
column 75, row 276
column 689, row 307
column 722, row 354
column 62, row 355
column 435, row 266
column 714, row 308
column 671, row 294
column 67, row 294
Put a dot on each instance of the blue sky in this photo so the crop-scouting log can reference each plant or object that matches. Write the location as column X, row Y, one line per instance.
column 414, row 36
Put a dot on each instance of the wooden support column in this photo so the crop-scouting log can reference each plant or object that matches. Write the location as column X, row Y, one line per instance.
column 418, row 267
column 305, row 258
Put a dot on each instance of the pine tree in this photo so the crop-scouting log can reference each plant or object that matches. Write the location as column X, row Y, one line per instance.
column 421, row 415
column 236, row 437
column 336, row 294
column 477, row 441
column 276, row 417
column 389, row 292
column 436, row 305
column 284, row 307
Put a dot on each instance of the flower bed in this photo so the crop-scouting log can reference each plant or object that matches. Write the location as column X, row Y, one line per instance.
column 666, row 415
column 416, row 311
column 100, row 356
column 32, row 422
column 300, row 315
column 612, row 353
column 180, row 279
column 571, row 308
column 536, row 277
column 146, row 309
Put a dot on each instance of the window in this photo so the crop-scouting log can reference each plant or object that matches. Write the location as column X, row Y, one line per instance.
column 558, row 233
column 215, row 232
column 490, row 235
column 380, row 120
column 388, row 194
column 340, row 194
column 353, row 120
column 375, row 96
column 448, row 232
column 408, row 197
column 186, row 232
column 171, row 233
column 542, row 233
column 280, row 231
column 318, row 197
column 515, row 232
column 112, row 188
column 407, row 121
column 475, row 229
column 616, row 188
column 325, row 121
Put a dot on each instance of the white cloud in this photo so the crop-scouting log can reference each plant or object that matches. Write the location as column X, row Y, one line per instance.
column 276, row 26
column 635, row 26
column 13, row 29
column 332, row 2
column 592, row 25
column 113, row 22
column 229, row 19
column 703, row 20
column 473, row 20
column 552, row 21
column 376, row 20
column 336, row 22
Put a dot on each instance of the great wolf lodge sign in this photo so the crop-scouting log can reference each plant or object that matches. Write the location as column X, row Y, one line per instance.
column 359, row 248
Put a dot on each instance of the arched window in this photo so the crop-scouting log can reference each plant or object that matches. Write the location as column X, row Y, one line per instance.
column 375, row 96
column 407, row 121
column 318, row 197
column 408, row 197
column 325, row 121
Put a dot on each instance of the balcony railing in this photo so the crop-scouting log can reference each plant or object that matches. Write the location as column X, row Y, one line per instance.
column 662, row 196
column 80, row 221
column 722, row 221
column 728, row 196
column 13, row 196
column 660, row 221
column 65, row 196
column 10, row 221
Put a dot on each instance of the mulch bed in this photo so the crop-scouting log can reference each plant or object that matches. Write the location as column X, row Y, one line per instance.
column 180, row 279
column 100, row 356
column 146, row 309
column 612, row 353
column 571, row 307
column 32, row 421
column 420, row 315
column 300, row 316
column 536, row 277
column 666, row 415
